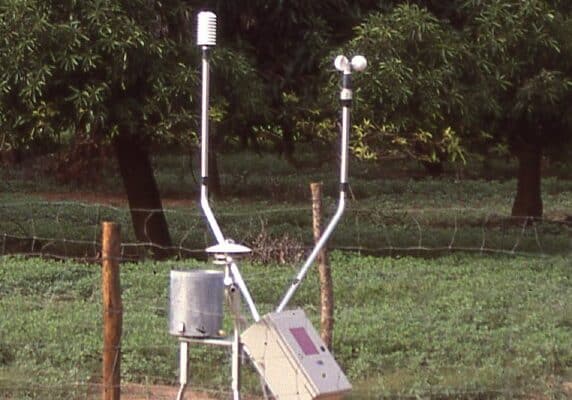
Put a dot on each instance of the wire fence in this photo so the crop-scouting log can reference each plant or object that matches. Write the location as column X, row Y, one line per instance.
column 73, row 230
column 466, row 325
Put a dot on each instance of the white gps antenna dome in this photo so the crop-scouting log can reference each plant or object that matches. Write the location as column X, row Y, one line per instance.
column 206, row 29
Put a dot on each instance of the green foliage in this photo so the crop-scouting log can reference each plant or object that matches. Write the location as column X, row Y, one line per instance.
column 286, row 41
column 438, row 72
column 522, row 56
column 94, row 67
column 452, row 327
column 105, row 67
column 489, row 73
column 411, row 98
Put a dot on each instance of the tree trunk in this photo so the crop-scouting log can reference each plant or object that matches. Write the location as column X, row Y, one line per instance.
column 248, row 138
column 147, row 215
column 435, row 169
column 287, row 145
column 528, row 201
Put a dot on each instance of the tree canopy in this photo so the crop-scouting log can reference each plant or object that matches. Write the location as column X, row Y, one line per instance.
column 95, row 67
column 523, row 56
column 413, row 96
column 494, row 73
column 443, row 78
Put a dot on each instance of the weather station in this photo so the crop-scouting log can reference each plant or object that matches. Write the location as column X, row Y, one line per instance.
column 283, row 346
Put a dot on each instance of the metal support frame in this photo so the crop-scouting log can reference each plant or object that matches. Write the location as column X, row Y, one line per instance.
column 233, row 341
column 183, row 368
column 205, row 148
column 346, row 98
column 205, row 205
column 233, row 281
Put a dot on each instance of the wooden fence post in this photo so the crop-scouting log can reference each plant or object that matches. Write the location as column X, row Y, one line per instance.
column 112, row 310
column 326, row 285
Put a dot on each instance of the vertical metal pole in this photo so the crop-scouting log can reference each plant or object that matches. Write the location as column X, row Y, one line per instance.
column 346, row 99
column 183, row 368
column 233, row 295
column 236, row 353
column 205, row 148
column 205, row 113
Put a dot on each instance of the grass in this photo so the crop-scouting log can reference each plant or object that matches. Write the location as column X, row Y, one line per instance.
column 391, row 210
column 405, row 216
column 72, row 228
column 454, row 327
column 485, row 313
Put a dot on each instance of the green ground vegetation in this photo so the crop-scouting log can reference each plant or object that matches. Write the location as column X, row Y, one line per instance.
column 485, row 313
column 266, row 205
column 461, row 326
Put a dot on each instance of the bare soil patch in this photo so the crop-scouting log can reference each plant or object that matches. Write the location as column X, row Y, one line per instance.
column 133, row 391
column 143, row 392
column 110, row 199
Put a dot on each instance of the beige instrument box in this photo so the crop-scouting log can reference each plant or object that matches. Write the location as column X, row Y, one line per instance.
column 292, row 358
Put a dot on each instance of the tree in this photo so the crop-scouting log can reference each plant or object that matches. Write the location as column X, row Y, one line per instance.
column 497, row 72
column 525, row 71
column 118, row 71
column 411, row 98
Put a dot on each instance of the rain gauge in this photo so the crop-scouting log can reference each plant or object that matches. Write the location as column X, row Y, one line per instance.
column 283, row 346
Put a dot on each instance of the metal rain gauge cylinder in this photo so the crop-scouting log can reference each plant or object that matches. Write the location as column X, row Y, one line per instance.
column 196, row 303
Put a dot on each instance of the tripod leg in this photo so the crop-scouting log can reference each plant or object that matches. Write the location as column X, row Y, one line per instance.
column 234, row 299
column 236, row 353
column 265, row 392
column 183, row 369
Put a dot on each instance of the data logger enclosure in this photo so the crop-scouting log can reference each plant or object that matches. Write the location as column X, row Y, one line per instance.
column 292, row 358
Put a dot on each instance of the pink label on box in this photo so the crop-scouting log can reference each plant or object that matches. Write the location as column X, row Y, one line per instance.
column 304, row 341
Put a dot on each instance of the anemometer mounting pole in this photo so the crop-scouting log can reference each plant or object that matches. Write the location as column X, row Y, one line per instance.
column 342, row 64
